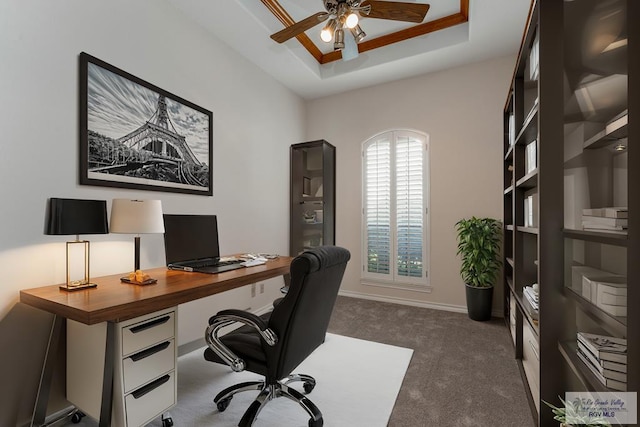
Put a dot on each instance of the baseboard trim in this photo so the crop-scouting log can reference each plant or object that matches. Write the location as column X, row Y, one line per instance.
column 414, row 303
column 405, row 301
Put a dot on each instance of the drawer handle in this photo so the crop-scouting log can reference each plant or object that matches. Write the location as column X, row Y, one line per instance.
column 150, row 351
column 150, row 387
column 154, row 322
column 535, row 351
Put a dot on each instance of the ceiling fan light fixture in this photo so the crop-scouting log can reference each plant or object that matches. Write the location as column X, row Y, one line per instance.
column 358, row 34
column 339, row 39
column 327, row 32
column 352, row 20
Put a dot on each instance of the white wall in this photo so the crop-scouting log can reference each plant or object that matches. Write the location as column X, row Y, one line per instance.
column 255, row 119
column 460, row 110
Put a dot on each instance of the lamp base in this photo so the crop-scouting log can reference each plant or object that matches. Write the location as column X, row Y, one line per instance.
column 77, row 287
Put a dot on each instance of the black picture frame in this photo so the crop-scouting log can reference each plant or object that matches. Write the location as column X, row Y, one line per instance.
column 136, row 135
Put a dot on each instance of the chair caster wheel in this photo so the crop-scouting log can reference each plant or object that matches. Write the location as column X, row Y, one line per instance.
column 223, row 404
column 77, row 417
column 308, row 387
column 317, row 423
column 167, row 421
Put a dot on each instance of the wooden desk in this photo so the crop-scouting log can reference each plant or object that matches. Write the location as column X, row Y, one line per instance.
column 113, row 302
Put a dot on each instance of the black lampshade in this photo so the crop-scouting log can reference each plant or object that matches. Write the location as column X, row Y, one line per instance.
column 76, row 216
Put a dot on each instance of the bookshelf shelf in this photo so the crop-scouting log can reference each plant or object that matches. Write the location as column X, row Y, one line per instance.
column 614, row 324
column 616, row 239
column 529, row 130
column 528, row 181
column 569, row 352
column 526, row 312
column 613, row 131
column 509, row 154
column 528, row 230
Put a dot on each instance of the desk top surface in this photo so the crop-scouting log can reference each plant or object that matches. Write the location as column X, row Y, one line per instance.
column 115, row 301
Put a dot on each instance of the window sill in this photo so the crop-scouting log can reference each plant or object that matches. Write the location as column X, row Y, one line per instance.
column 425, row 288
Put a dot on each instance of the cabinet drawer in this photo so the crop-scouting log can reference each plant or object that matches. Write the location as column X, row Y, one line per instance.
column 531, row 362
column 148, row 332
column 151, row 400
column 147, row 364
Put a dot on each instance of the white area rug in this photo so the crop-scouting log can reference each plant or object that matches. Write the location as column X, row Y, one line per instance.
column 357, row 385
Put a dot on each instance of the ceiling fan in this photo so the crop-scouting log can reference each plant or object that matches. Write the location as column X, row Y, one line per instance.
column 345, row 14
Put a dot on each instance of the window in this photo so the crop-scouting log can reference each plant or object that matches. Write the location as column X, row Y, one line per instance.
column 395, row 188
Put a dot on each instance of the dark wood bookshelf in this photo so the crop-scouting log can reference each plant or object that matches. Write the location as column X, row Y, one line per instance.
column 586, row 157
column 312, row 187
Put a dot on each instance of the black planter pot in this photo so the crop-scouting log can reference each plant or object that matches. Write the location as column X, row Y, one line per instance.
column 479, row 302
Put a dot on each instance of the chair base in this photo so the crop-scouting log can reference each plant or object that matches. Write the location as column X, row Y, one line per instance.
column 270, row 391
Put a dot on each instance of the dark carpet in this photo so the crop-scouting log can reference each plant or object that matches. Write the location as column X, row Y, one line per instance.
column 463, row 372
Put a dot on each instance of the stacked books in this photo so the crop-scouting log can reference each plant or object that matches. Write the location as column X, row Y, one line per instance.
column 606, row 358
column 607, row 219
column 531, row 299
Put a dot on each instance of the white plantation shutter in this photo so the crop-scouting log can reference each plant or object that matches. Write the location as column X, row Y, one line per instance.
column 394, row 208
column 409, row 206
column 378, row 206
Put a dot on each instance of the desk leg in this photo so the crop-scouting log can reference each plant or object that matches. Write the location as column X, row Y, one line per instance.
column 42, row 400
column 107, row 381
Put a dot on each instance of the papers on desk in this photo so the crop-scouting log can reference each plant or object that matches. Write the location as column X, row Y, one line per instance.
column 253, row 262
column 253, row 259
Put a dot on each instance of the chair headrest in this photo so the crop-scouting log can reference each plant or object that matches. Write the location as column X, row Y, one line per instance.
column 324, row 257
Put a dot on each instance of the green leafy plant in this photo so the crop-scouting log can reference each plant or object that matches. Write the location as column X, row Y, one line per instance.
column 479, row 242
column 569, row 414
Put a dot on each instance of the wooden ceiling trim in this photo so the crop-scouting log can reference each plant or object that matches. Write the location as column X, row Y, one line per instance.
column 278, row 11
column 464, row 8
column 415, row 31
column 398, row 36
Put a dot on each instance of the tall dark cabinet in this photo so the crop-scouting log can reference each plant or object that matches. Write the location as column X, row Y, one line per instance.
column 313, row 196
column 570, row 124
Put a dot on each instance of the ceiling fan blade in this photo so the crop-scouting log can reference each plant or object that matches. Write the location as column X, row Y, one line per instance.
column 397, row 11
column 299, row 27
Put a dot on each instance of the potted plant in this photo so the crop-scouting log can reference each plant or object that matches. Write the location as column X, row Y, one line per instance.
column 479, row 241
column 571, row 411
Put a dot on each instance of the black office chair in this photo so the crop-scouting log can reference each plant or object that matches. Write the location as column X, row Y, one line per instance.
column 276, row 343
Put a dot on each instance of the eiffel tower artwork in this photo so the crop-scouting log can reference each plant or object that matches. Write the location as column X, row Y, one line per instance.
column 155, row 154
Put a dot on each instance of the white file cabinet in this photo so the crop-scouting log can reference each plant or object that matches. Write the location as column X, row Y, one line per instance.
column 144, row 371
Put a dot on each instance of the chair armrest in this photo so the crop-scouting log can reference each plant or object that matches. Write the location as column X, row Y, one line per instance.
column 226, row 318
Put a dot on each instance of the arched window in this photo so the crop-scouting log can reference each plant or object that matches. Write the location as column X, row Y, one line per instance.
column 394, row 215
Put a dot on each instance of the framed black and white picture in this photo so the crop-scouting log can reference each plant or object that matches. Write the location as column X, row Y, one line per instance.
column 135, row 135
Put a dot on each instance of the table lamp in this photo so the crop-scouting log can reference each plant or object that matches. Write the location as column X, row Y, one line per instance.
column 76, row 216
column 136, row 217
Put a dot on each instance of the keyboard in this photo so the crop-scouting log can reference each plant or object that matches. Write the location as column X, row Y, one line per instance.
column 205, row 263
column 212, row 263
